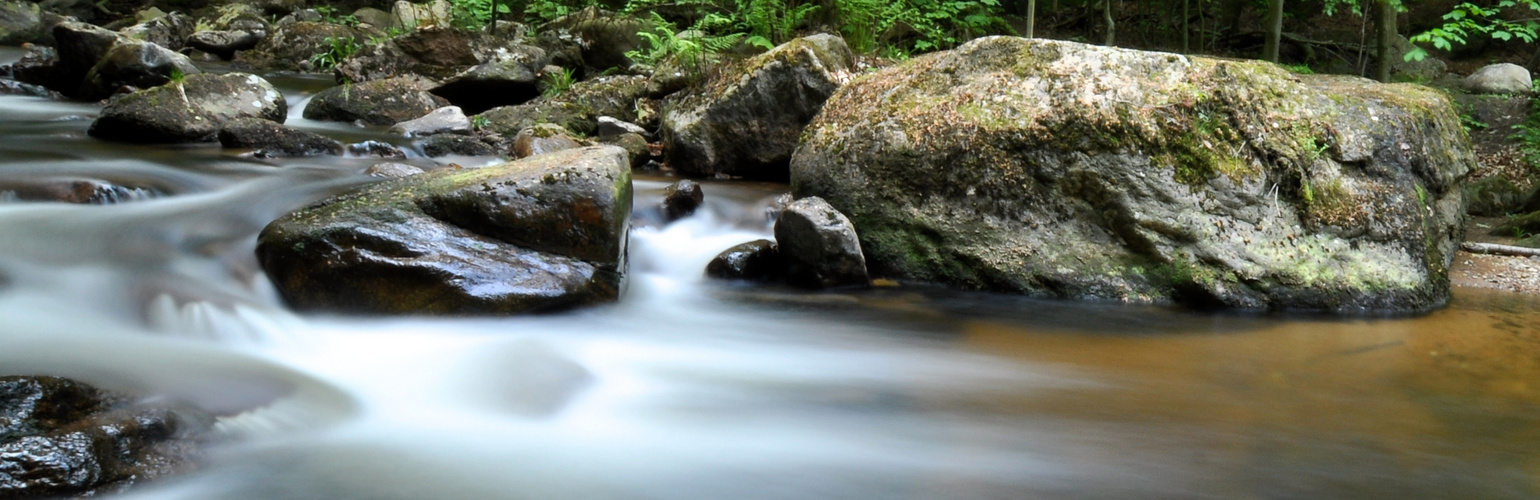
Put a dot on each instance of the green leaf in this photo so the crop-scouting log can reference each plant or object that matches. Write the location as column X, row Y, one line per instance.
column 1416, row 54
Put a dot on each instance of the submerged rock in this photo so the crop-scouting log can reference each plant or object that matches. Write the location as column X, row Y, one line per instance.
column 680, row 199
column 820, row 246
column 375, row 149
column 271, row 139
column 757, row 260
column 190, row 111
column 73, row 190
column 382, row 102
column 540, row 234
column 1069, row 170
column 62, row 438
column 747, row 119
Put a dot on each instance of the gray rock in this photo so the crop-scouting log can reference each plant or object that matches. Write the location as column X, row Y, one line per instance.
column 192, row 111
column 79, row 46
column 610, row 127
column 169, row 30
column 544, row 138
column 680, row 199
column 578, row 109
column 1501, row 78
column 535, row 235
column 445, row 145
column 392, row 170
column 272, row 139
column 375, row 17
column 381, row 102
column 225, row 43
column 136, row 65
column 435, row 54
column 445, row 120
column 757, row 260
column 635, row 145
column 748, row 118
column 291, row 47
column 1493, row 197
column 820, row 246
column 411, row 15
column 375, row 149
column 510, row 77
column 1109, row 174
column 20, row 22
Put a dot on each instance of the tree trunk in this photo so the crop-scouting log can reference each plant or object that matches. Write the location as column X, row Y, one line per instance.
column 1274, row 31
column 1385, row 31
column 1031, row 16
column 1112, row 27
column 1231, row 16
column 492, row 19
column 1186, row 46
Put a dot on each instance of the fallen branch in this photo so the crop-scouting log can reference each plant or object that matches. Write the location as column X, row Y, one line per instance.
column 1496, row 249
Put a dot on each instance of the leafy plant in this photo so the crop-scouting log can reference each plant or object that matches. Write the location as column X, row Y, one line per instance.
column 548, row 10
column 338, row 49
column 559, row 82
column 330, row 15
column 693, row 49
column 928, row 24
column 1302, row 68
column 1467, row 19
column 771, row 22
column 476, row 13
column 480, row 122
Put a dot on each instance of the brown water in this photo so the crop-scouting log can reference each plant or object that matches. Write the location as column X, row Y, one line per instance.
column 691, row 389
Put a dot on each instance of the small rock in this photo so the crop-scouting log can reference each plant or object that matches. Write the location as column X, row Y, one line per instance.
column 380, row 102
column 542, row 139
column 820, row 246
column 635, row 145
column 445, row 120
column 610, row 127
column 375, row 149
column 445, row 145
column 392, row 170
column 1501, row 78
column 680, row 199
column 272, row 139
column 758, row 260
column 225, row 43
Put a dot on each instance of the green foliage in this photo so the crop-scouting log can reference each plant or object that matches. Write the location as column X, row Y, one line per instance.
column 693, row 49
column 1301, row 68
column 559, row 82
column 917, row 25
column 471, row 14
column 1468, row 19
column 330, row 14
column 480, row 122
column 1527, row 134
column 772, row 22
column 548, row 10
column 177, row 76
column 338, row 50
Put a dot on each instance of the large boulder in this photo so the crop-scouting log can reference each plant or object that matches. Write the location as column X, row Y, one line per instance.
column 512, row 76
column 1500, row 78
column 747, row 119
column 291, row 47
column 61, row 438
column 134, row 64
column 189, row 111
column 1069, row 170
column 435, row 53
column 380, row 102
column 819, row 245
column 20, row 22
column 578, row 109
column 540, row 234
column 270, row 139
column 166, row 30
column 78, row 47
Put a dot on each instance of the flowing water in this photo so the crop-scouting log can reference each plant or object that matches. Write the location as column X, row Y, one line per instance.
column 689, row 389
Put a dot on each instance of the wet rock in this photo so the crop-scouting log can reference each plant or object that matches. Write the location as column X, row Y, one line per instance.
column 635, row 146
column 541, row 234
column 39, row 67
column 1493, row 196
column 820, row 246
column 375, row 149
column 392, row 170
column 445, row 145
column 272, row 139
column 680, row 199
column 135, row 65
column 709, row 132
column 381, row 102
column 610, row 127
column 290, row 47
column 1501, row 78
column 435, row 54
column 78, row 47
column 63, row 438
column 1145, row 177
column 758, row 260
column 602, row 38
column 73, row 190
column 542, row 139
column 445, row 120
column 191, row 111
column 512, row 76
column 578, row 109
column 20, row 22
column 13, row 87
column 166, row 30
column 225, row 43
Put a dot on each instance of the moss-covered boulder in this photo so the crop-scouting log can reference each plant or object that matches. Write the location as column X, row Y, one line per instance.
column 541, row 234
column 1069, row 170
column 578, row 109
column 433, row 53
column 511, row 76
column 746, row 120
column 290, row 47
column 20, row 22
column 133, row 64
column 380, row 102
column 189, row 111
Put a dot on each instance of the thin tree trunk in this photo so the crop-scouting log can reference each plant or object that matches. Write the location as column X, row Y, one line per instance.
column 1496, row 249
column 1186, row 46
column 1274, row 31
column 493, row 18
column 1031, row 16
column 1112, row 27
column 1385, row 29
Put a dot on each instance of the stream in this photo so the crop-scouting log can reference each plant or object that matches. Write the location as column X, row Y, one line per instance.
column 693, row 389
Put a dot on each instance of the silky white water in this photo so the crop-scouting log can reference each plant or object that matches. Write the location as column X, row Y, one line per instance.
column 690, row 389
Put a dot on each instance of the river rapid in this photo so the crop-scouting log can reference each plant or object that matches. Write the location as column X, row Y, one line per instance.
column 690, row 389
